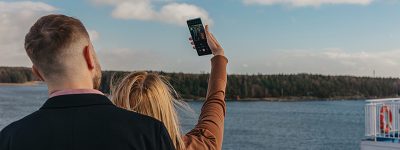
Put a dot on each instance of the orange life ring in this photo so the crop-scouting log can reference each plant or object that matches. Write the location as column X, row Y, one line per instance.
column 385, row 124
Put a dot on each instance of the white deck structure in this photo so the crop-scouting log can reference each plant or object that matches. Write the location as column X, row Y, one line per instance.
column 382, row 124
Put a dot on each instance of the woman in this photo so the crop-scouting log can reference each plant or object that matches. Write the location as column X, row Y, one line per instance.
column 150, row 94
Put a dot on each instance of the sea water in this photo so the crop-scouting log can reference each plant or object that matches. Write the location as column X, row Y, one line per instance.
column 306, row 125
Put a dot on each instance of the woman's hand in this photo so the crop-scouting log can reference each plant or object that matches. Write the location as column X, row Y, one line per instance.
column 215, row 47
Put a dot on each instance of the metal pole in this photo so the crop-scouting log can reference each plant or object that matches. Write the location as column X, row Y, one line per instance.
column 374, row 118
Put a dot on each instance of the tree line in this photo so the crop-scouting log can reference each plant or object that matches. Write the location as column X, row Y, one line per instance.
column 194, row 86
column 15, row 75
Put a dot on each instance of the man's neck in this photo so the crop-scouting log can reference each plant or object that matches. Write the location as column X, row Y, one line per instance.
column 75, row 91
column 67, row 86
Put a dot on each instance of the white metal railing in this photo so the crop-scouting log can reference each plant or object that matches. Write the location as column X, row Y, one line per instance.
column 377, row 118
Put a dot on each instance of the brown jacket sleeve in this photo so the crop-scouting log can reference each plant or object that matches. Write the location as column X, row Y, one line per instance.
column 208, row 133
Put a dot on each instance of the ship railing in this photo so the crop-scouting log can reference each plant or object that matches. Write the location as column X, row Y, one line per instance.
column 382, row 119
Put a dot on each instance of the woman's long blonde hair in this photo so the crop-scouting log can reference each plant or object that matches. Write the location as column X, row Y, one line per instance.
column 152, row 95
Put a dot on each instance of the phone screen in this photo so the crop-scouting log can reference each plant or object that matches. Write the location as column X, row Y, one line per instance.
column 198, row 33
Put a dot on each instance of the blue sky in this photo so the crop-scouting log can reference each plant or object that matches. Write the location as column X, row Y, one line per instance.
column 339, row 37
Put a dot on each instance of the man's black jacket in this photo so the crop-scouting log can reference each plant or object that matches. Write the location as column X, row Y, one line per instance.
column 84, row 122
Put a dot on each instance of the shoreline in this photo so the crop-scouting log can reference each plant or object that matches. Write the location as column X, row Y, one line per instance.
column 296, row 99
column 267, row 99
column 279, row 100
column 30, row 83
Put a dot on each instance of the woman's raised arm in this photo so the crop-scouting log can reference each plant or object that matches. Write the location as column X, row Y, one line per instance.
column 209, row 130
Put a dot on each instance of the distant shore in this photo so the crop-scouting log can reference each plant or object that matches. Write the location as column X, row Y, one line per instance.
column 267, row 99
column 296, row 99
column 249, row 87
column 30, row 83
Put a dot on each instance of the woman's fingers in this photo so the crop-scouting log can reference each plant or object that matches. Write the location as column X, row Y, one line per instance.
column 190, row 39
column 192, row 43
column 209, row 37
column 216, row 48
column 215, row 40
column 207, row 31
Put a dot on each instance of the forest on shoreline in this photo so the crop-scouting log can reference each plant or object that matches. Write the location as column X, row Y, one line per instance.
column 257, row 86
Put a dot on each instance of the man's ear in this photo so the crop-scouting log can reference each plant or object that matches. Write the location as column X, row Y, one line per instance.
column 36, row 72
column 87, row 53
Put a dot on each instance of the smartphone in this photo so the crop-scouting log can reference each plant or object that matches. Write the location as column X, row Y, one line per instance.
column 198, row 33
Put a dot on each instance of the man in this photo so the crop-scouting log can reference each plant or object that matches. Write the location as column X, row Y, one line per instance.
column 76, row 115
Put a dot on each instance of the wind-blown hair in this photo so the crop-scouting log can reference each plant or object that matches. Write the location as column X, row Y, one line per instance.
column 152, row 95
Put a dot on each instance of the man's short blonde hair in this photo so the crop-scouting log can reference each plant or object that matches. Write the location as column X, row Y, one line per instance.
column 49, row 38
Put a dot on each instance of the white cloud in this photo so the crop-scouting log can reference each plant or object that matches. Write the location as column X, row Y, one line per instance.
column 303, row 3
column 15, row 21
column 169, row 12
column 328, row 61
column 178, row 13
column 141, row 10
column 28, row 6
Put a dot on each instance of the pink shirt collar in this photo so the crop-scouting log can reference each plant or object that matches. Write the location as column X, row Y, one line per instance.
column 75, row 91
